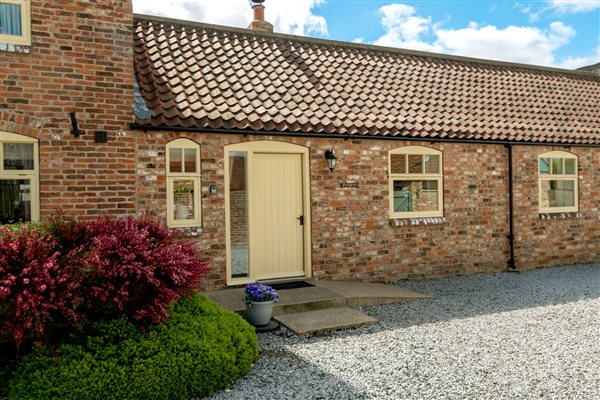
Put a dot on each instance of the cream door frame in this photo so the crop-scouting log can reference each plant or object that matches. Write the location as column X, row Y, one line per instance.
column 274, row 147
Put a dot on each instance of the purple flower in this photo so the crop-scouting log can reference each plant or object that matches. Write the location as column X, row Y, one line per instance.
column 258, row 292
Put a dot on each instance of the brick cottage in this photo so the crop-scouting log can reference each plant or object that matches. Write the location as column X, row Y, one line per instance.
column 436, row 165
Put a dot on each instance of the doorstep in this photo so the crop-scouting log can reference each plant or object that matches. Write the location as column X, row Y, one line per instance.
column 323, row 295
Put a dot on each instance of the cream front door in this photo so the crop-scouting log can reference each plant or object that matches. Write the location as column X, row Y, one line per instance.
column 276, row 216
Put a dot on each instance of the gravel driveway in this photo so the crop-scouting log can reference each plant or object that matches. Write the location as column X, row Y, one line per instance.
column 534, row 335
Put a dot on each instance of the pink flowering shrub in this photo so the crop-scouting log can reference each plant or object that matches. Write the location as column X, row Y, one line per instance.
column 135, row 267
column 66, row 272
column 35, row 289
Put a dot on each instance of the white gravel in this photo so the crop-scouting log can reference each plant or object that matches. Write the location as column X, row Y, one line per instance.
column 534, row 335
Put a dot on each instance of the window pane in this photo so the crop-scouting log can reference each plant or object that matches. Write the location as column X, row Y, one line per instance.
column 432, row 164
column 15, row 200
column 558, row 193
column 183, row 199
column 398, row 163
column 238, row 212
column 18, row 156
column 175, row 160
column 569, row 166
column 190, row 160
column 10, row 19
column 557, row 166
column 416, row 196
column 544, row 166
column 415, row 164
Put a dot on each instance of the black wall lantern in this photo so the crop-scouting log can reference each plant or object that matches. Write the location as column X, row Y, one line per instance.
column 75, row 132
column 331, row 159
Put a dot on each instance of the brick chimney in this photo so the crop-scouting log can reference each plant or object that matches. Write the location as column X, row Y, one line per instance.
column 259, row 23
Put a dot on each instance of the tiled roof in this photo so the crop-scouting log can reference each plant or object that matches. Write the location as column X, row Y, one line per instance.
column 194, row 75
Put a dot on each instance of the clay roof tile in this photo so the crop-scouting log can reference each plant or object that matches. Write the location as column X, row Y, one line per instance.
column 197, row 75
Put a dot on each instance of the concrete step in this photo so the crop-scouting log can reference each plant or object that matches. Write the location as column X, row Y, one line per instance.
column 326, row 320
column 323, row 295
column 360, row 294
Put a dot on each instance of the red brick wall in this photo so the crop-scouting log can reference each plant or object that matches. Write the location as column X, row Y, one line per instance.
column 559, row 241
column 352, row 235
column 80, row 60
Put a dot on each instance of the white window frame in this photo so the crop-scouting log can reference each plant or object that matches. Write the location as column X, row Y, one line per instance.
column 25, row 38
column 439, row 177
column 32, row 175
column 563, row 155
column 193, row 176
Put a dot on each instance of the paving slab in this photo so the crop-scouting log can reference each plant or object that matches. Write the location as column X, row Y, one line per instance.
column 290, row 300
column 327, row 320
column 230, row 299
column 323, row 294
column 360, row 294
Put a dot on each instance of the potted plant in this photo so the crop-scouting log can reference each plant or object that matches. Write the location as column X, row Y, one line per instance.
column 259, row 299
column 181, row 197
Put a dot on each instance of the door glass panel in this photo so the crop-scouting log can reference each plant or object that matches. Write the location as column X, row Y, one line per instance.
column 15, row 200
column 183, row 199
column 174, row 160
column 18, row 156
column 190, row 160
column 238, row 214
column 416, row 196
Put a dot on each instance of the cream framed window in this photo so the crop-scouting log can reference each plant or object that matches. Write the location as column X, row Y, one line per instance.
column 15, row 22
column 19, row 182
column 415, row 182
column 183, row 184
column 558, row 186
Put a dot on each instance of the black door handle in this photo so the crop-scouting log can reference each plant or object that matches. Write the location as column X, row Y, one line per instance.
column 301, row 219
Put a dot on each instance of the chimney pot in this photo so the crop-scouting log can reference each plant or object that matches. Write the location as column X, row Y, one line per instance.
column 259, row 12
column 259, row 23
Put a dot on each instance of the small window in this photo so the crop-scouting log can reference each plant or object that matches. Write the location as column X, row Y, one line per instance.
column 19, row 191
column 415, row 182
column 183, row 183
column 558, row 182
column 15, row 22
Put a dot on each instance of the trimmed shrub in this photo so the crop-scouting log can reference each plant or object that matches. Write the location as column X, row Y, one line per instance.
column 201, row 349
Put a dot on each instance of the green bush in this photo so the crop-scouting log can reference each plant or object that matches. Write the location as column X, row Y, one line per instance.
column 201, row 349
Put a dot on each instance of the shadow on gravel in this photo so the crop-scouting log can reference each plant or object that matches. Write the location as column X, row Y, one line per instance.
column 283, row 375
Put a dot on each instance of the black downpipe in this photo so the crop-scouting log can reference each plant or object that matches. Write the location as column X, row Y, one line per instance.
column 511, row 234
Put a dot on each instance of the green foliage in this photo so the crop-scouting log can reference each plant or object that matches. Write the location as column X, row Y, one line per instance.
column 201, row 349
column 8, row 364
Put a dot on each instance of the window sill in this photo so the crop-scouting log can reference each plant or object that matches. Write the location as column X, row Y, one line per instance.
column 418, row 221
column 15, row 48
column 561, row 215
column 187, row 231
